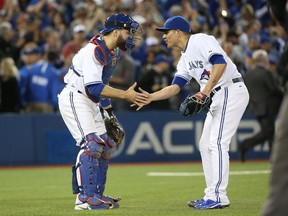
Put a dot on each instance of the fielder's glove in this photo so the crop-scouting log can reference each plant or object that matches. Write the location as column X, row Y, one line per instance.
column 113, row 128
column 193, row 104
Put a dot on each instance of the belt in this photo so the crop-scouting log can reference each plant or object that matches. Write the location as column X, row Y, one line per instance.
column 234, row 80
column 237, row 79
column 72, row 89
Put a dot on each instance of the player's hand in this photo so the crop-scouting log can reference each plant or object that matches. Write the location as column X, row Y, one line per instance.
column 136, row 98
column 141, row 102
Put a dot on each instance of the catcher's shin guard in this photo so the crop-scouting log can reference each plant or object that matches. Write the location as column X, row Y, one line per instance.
column 102, row 171
column 93, row 147
column 104, row 163
column 86, row 175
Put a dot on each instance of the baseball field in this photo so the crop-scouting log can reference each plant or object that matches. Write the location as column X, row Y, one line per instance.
column 146, row 189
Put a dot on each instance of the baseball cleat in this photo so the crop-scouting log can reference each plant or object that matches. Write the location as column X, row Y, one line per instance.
column 113, row 200
column 87, row 206
column 193, row 203
column 91, row 203
column 211, row 204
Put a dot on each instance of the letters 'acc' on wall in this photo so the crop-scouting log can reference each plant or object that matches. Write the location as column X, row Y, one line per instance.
column 149, row 137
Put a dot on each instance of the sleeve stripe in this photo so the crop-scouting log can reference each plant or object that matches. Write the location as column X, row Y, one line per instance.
column 180, row 81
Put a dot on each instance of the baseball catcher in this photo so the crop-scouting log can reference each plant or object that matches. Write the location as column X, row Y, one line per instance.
column 193, row 104
column 86, row 90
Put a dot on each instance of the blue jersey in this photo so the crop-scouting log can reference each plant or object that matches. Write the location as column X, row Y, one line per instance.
column 24, row 71
column 43, row 84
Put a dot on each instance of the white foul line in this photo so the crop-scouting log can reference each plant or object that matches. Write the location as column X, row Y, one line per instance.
column 252, row 172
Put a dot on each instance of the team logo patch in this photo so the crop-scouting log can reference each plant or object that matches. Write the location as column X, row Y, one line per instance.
column 205, row 75
column 114, row 61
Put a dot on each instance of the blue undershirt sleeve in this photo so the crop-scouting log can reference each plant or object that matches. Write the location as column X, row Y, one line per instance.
column 95, row 89
column 179, row 81
column 217, row 59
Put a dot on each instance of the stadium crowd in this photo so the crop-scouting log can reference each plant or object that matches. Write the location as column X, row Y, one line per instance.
column 38, row 39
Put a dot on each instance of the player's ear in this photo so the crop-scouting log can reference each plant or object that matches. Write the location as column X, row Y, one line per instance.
column 115, row 33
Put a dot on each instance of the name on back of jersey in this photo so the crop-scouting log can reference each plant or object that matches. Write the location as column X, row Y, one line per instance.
column 38, row 80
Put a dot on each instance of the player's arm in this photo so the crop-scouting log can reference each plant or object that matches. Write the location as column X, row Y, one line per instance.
column 169, row 91
column 96, row 87
column 219, row 65
column 130, row 94
column 165, row 93
column 162, row 94
column 105, row 91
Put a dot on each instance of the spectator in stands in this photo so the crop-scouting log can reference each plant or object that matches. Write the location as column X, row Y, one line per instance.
column 250, row 30
column 123, row 77
column 80, row 14
column 79, row 39
column 9, row 77
column 95, row 17
column 28, row 28
column 153, row 47
column 149, row 10
column 158, row 77
column 8, row 48
column 247, row 15
column 265, row 99
column 59, row 25
column 50, row 39
column 43, row 85
column 274, row 57
column 30, row 55
column 38, row 9
column 22, row 22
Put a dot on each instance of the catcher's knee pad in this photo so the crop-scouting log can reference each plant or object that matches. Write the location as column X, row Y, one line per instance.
column 86, row 173
column 108, row 149
column 94, row 145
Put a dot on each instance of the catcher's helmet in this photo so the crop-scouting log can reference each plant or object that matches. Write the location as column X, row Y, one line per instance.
column 118, row 21
column 122, row 21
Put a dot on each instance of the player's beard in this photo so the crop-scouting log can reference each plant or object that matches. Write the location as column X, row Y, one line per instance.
column 121, row 43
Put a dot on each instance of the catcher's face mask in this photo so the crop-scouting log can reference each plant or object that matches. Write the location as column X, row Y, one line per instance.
column 123, row 21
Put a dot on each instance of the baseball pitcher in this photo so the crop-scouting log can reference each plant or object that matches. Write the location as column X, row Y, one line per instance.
column 222, row 91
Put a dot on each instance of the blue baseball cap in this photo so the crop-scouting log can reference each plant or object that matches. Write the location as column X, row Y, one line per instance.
column 174, row 23
column 32, row 50
column 162, row 58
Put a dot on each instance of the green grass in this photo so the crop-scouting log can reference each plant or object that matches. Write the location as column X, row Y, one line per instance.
column 47, row 191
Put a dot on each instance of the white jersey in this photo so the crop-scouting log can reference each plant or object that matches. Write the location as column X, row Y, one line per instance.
column 85, row 70
column 194, row 61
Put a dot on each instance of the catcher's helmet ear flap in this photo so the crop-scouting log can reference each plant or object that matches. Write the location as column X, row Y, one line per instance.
column 122, row 21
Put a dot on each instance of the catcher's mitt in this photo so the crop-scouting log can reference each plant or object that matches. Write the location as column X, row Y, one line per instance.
column 193, row 104
column 113, row 128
